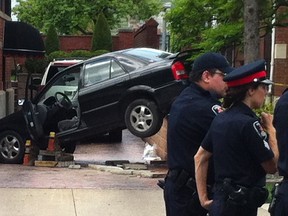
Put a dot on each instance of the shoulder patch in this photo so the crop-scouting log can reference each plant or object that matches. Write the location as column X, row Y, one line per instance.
column 258, row 128
column 217, row 109
column 266, row 145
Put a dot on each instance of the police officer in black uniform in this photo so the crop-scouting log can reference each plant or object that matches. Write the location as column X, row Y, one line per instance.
column 244, row 147
column 281, row 124
column 188, row 121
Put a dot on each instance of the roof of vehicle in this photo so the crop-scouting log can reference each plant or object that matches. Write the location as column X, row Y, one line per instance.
column 145, row 54
column 65, row 62
column 149, row 54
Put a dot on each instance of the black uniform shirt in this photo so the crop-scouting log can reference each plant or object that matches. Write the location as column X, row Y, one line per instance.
column 281, row 125
column 239, row 146
column 189, row 120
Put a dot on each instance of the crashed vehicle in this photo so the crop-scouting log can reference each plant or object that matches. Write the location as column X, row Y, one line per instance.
column 130, row 88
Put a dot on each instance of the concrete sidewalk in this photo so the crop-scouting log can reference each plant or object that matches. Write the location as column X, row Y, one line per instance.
column 84, row 202
column 80, row 202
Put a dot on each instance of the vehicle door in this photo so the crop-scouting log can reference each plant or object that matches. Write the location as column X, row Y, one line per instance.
column 66, row 83
column 104, row 81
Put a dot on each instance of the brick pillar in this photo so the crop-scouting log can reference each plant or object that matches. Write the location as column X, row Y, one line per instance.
column 160, row 140
column 146, row 35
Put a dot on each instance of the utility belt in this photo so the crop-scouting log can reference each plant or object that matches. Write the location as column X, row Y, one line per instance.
column 182, row 178
column 237, row 195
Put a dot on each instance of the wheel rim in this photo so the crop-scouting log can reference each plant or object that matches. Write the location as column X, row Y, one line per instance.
column 141, row 118
column 9, row 147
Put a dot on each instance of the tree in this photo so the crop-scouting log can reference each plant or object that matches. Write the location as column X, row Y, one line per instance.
column 102, row 39
column 52, row 41
column 218, row 25
column 215, row 24
column 79, row 16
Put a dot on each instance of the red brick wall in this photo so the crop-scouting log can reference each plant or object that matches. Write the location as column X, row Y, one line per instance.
column 280, row 74
column 80, row 42
column 124, row 39
column 146, row 35
column 160, row 141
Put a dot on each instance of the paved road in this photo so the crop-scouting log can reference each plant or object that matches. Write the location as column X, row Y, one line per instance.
column 42, row 191
column 131, row 149
column 99, row 150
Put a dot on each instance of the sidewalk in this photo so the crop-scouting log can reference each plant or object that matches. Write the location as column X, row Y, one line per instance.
column 84, row 202
column 80, row 202
column 109, row 192
column 263, row 211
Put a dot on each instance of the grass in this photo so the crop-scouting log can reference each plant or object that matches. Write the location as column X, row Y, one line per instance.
column 269, row 187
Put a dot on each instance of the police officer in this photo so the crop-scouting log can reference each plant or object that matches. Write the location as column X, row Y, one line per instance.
column 244, row 147
column 189, row 119
column 281, row 124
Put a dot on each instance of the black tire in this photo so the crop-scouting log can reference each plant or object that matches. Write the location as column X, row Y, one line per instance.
column 115, row 135
column 12, row 148
column 70, row 147
column 143, row 118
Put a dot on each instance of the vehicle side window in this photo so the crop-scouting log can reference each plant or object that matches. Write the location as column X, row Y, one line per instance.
column 130, row 65
column 53, row 70
column 101, row 70
column 96, row 71
column 116, row 70
column 67, row 84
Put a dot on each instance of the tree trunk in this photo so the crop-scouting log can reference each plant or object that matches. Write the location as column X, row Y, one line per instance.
column 251, row 30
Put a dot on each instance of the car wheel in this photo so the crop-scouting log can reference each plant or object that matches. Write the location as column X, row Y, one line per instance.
column 143, row 118
column 115, row 135
column 70, row 147
column 12, row 148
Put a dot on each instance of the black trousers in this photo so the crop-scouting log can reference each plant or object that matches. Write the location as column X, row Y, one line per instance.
column 281, row 207
column 221, row 207
column 181, row 202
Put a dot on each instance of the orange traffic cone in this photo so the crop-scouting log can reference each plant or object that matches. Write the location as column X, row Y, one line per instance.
column 51, row 142
column 27, row 158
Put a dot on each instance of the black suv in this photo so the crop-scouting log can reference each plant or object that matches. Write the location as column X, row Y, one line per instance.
column 131, row 88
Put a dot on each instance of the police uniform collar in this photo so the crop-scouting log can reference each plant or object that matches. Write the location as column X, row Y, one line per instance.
column 200, row 89
column 244, row 109
column 203, row 91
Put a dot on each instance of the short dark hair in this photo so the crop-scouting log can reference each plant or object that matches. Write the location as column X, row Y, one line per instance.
column 237, row 94
column 196, row 77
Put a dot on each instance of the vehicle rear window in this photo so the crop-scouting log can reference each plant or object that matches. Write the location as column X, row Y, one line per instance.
column 54, row 70
column 148, row 55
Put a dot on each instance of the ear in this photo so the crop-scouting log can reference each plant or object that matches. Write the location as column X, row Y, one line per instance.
column 206, row 76
column 251, row 91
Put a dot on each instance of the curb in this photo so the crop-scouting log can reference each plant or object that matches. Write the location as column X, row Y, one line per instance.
column 120, row 171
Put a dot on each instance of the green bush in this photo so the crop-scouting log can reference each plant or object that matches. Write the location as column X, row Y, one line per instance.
column 57, row 54
column 99, row 52
column 52, row 42
column 267, row 107
column 36, row 65
column 102, row 38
